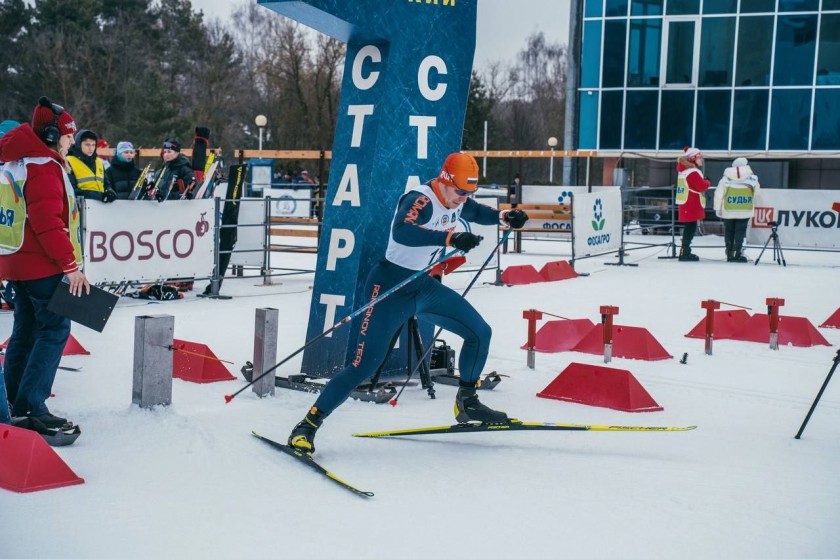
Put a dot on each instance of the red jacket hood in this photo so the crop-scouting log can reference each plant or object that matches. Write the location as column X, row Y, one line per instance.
column 22, row 142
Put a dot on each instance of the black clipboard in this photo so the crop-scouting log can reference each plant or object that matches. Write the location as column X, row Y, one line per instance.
column 91, row 310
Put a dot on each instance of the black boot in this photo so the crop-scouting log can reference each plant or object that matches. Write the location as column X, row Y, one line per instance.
column 738, row 257
column 302, row 436
column 687, row 256
column 468, row 408
column 51, row 421
column 728, row 252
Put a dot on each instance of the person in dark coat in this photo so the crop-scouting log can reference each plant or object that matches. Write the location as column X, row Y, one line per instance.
column 176, row 178
column 123, row 172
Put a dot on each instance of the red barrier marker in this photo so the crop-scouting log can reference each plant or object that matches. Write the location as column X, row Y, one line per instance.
column 711, row 306
column 607, row 312
column 773, row 305
column 532, row 316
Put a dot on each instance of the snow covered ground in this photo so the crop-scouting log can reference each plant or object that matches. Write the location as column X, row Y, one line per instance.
column 188, row 481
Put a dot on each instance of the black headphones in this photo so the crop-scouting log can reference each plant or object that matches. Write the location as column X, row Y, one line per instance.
column 51, row 133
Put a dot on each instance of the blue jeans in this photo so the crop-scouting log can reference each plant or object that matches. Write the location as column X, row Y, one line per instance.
column 35, row 348
column 4, row 400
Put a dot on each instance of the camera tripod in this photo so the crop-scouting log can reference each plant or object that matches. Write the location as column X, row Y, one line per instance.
column 778, row 255
column 415, row 354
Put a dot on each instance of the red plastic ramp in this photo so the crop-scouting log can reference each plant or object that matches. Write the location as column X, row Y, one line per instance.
column 73, row 347
column 629, row 342
column 832, row 321
column 196, row 362
column 605, row 387
column 558, row 270
column 521, row 275
column 797, row 331
column 561, row 335
column 28, row 463
column 726, row 324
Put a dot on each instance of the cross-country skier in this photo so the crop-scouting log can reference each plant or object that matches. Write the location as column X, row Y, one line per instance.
column 422, row 228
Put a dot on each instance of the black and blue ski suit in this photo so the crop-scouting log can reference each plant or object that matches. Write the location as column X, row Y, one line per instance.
column 420, row 230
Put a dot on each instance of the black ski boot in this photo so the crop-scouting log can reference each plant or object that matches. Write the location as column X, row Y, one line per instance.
column 303, row 435
column 687, row 256
column 738, row 257
column 51, row 421
column 468, row 408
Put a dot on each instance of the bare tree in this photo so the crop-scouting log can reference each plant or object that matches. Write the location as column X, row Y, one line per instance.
column 529, row 104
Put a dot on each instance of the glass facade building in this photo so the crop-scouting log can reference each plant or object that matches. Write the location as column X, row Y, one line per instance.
column 741, row 76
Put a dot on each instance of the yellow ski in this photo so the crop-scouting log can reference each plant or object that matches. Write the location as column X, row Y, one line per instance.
column 516, row 425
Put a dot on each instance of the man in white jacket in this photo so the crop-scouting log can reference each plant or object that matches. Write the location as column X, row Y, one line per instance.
column 734, row 204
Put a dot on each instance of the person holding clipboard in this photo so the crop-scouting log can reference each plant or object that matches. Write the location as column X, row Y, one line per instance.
column 40, row 245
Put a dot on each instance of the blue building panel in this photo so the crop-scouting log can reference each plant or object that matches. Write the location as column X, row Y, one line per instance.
column 790, row 118
column 826, row 121
column 588, row 123
column 796, row 43
column 590, row 72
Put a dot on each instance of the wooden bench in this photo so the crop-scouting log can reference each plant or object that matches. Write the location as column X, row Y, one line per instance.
column 542, row 218
column 300, row 227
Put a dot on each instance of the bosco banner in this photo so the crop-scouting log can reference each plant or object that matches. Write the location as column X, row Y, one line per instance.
column 404, row 92
column 148, row 241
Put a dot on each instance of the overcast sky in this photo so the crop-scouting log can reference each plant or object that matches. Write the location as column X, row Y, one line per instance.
column 503, row 25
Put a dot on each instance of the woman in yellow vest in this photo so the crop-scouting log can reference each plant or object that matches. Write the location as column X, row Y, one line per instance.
column 87, row 172
column 734, row 204
column 690, row 198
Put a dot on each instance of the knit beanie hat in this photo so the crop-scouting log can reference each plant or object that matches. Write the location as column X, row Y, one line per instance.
column 691, row 153
column 741, row 168
column 172, row 143
column 121, row 148
column 46, row 113
column 7, row 125
column 124, row 146
column 460, row 170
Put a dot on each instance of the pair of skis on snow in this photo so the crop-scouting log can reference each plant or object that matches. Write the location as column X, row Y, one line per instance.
column 508, row 426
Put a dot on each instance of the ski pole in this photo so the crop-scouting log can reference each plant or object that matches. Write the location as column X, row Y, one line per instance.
column 345, row 320
column 173, row 348
column 464, row 294
column 819, row 395
column 734, row 305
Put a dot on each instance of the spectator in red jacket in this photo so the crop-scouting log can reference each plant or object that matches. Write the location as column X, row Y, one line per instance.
column 37, row 251
column 690, row 198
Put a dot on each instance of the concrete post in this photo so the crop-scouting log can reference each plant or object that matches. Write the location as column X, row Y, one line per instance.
column 265, row 349
column 152, row 384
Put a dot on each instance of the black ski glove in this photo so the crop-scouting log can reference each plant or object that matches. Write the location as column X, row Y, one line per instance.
column 516, row 218
column 465, row 241
column 109, row 196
